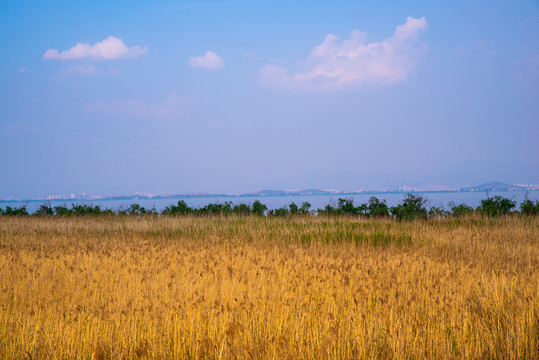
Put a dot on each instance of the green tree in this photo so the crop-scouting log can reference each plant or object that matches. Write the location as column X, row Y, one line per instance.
column 282, row 211
column 346, row 207
column 362, row 209
column 528, row 207
column 496, row 205
column 86, row 209
column 305, row 208
column 136, row 209
column 412, row 207
column 258, row 208
column 293, row 208
column 460, row 210
column 44, row 210
column 227, row 208
column 241, row 209
column 20, row 211
column 180, row 209
column 377, row 208
column 62, row 210
column 437, row 212
column 328, row 210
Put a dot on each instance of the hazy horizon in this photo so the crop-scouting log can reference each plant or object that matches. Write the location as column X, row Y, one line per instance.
column 63, row 196
column 235, row 97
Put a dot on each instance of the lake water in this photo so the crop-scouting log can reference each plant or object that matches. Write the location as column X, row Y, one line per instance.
column 441, row 199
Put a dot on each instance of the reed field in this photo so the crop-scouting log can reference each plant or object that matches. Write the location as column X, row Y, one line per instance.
column 164, row 287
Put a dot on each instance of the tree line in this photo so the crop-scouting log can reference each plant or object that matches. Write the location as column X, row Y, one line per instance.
column 411, row 207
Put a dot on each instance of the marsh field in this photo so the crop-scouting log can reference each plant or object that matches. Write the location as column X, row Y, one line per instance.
column 127, row 287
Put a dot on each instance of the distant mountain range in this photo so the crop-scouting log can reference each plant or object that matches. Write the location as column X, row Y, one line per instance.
column 498, row 186
column 494, row 186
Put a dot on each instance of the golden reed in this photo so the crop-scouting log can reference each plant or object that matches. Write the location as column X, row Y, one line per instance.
column 268, row 288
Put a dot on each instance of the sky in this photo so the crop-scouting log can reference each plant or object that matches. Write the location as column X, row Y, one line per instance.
column 118, row 97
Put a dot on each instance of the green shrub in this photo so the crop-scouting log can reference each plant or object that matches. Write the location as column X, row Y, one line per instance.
column 136, row 209
column 437, row 212
column 181, row 209
column 460, row 210
column 282, row 211
column 412, row 207
column 211, row 209
column 20, row 211
column 86, row 209
column 305, row 208
column 528, row 207
column 215, row 209
column 293, row 208
column 377, row 208
column 328, row 210
column 346, row 207
column 62, row 211
column 241, row 209
column 258, row 208
column 496, row 206
column 44, row 210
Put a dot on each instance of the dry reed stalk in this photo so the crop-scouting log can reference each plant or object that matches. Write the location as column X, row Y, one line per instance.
column 309, row 288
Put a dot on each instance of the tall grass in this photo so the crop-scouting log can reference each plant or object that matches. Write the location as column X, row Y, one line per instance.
column 256, row 287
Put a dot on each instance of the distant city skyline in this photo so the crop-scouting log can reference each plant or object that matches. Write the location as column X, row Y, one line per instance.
column 179, row 97
column 264, row 192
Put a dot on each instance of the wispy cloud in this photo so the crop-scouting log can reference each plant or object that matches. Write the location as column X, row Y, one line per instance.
column 336, row 64
column 167, row 109
column 210, row 61
column 111, row 48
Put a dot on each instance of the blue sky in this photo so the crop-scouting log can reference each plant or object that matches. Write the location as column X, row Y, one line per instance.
column 236, row 96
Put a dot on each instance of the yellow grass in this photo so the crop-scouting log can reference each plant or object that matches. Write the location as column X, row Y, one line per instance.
column 240, row 288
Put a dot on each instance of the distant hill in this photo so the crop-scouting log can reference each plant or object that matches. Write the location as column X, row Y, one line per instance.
column 494, row 186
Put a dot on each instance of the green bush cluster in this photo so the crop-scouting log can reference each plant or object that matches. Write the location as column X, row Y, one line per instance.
column 257, row 208
column 76, row 209
column 292, row 209
column 374, row 208
column 9, row 211
column 496, row 206
column 529, row 207
column 461, row 209
column 411, row 207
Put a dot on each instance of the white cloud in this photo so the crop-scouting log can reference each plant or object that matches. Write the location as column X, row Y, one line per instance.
column 109, row 49
column 167, row 109
column 210, row 61
column 336, row 64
